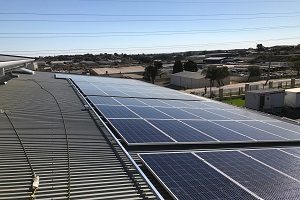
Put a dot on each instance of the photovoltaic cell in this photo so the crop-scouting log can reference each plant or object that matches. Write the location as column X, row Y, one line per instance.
column 130, row 102
column 259, row 178
column 189, row 178
column 249, row 131
column 148, row 112
column 216, row 131
column 154, row 102
column 275, row 130
column 178, row 114
column 138, row 131
column 180, row 132
column 103, row 100
column 116, row 111
column 279, row 160
column 204, row 114
column 229, row 115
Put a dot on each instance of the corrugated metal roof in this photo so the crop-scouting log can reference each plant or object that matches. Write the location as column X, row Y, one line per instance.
column 93, row 168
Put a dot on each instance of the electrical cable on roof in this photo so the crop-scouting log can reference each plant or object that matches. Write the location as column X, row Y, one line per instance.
column 35, row 178
column 65, row 130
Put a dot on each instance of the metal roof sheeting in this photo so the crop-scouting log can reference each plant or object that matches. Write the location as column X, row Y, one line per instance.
column 97, row 170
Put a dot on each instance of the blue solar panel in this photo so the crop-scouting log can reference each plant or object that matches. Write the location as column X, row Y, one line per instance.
column 294, row 151
column 229, row 115
column 216, row 131
column 250, row 114
column 177, row 113
column 257, row 177
column 180, row 132
column 279, row 160
column 205, row 114
column 274, row 129
column 249, row 131
column 115, row 93
column 130, row 102
column 116, row 112
column 138, row 131
column 197, row 104
column 155, row 102
column 289, row 126
column 103, row 100
column 176, row 103
column 148, row 112
column 189, row 178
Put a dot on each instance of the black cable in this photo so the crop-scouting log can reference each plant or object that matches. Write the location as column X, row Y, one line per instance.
column 65, row 129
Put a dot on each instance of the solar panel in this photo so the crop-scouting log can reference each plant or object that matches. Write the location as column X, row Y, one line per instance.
column 103, row 100
column 130, row 102
column 148, row 112
column 216, row 131
column 155, row 102
column 228, row 115
column 258, row 177
column 205, row 114
column 278, row 159
column 187, row 177
column 177, row 113
column 285, row 133
column 138, row 131
column 181, row 132
column 249, row 130
column 219, row 121
column 116, row 112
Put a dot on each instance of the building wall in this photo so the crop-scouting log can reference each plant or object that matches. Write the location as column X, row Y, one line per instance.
column 292, row 99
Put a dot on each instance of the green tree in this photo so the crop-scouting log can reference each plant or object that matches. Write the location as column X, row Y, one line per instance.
column 178, row 67
column 190, row 66
column 295, row 65
column 150, row 73
column 222, row 73
column 260, row 47
column 254, row 71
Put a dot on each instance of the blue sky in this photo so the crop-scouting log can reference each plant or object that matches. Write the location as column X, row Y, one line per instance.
column 146, row 26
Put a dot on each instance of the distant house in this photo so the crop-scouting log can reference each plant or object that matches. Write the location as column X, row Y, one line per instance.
column 190, row 80
column 118, row 71
column 214, row 60
column 89, row 64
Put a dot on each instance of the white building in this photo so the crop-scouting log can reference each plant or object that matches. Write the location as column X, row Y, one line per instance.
column 190, row 80
column 292, row 98
column 265, row 99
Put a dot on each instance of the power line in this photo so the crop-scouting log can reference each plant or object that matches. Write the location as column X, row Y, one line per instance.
column 152, row 32
column 146, row 15
column 191, row 2
column 136, row 34
column 51, row 51
column 147, row 20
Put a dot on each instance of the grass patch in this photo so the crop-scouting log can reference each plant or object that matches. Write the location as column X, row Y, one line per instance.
column 236, row 102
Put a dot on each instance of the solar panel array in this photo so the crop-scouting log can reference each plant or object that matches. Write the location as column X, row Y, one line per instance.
column 142, row 113
column 247, row 174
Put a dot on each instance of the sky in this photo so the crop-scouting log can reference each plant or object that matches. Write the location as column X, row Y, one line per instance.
column 53, row 27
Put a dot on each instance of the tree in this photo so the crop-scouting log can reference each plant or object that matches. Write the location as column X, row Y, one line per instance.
column 222, row 73
column 150, row 73
column 254, row 71
column 190, row 66
column 157, row 64
column 178, row 67
column 260, row 47
column 295, row 65
column 214, row 73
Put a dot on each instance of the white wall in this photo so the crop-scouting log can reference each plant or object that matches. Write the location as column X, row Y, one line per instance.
column 292, row 99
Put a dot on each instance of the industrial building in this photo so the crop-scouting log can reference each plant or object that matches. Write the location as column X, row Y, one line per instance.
column 84, row 137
